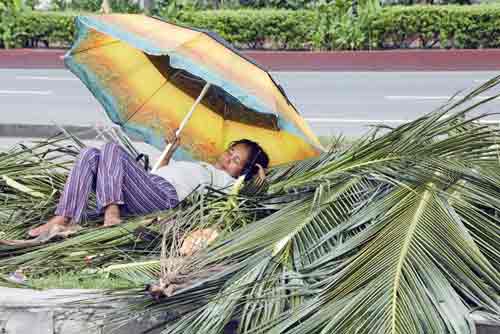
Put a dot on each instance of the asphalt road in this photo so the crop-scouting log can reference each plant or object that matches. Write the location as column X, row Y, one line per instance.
column 333, row 102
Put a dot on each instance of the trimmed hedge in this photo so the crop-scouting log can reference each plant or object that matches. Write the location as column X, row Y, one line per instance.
column 461, row 27
column 256, row 29
column 31, row 29
column 391, row 27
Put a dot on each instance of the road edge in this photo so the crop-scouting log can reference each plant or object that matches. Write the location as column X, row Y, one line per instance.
column 300, row 61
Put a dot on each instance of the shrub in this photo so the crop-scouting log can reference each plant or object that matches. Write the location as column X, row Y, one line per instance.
column 9, row 10
column 329, row 27
column 117, row 6
column 85, row 5
column 437, row 27
column 336, row 28
column 29, row 29
column 4, row 4
column 237, row 4
column 256, row 29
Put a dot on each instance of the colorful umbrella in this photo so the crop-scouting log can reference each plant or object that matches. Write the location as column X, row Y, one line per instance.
column 151, row 75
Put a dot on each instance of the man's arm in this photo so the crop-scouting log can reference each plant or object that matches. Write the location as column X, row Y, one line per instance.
column 170, row 153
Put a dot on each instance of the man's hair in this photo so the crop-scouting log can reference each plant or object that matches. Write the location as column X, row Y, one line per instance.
column 257, row 155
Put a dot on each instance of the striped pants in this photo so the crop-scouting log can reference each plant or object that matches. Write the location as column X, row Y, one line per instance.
column 116, row 178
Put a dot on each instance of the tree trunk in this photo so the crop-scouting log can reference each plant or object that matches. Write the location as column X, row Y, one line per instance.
column 148, row 6
column 105, row 7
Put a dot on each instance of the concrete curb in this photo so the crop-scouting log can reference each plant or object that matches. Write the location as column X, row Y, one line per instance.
column 42, row 312
column 24, row 311
column 379, row 60
column 18, row 130
column 32, row 58
column 44, row 131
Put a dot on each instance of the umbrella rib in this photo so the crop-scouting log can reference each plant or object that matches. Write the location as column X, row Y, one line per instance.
column 229, row 47
column 222, row 41
column 145, row 101
column 96, row 47
column 192, row 78
column 282, row 91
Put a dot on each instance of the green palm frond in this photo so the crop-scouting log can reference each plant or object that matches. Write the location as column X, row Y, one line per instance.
column 142, row 272
column 397, row 233
column 424, row 266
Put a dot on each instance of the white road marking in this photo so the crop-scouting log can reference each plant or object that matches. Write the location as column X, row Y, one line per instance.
column 26, row 92
column 489, row 121
column 341, row 120
column 378, row 121
column 46, row 78
column 415, row 97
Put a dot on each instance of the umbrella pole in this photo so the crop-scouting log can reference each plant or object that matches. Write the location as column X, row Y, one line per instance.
column 183, row 124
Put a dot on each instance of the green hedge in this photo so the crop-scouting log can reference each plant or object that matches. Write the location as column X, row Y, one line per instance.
column 256, row 29
column 476, row 26
column 391, row 27
column 33, row 29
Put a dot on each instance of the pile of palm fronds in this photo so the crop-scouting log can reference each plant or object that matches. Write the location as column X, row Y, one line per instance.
column 31, row 179
column 396, row 234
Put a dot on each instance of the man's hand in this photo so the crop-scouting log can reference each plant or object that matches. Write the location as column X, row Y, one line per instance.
column 175, row 143
column 261, row 175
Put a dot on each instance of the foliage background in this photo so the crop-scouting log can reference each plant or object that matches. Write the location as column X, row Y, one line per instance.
column 403, row 223
column 326, row 26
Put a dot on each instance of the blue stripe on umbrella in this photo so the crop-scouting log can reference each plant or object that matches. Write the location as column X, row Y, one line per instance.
column 180, row 62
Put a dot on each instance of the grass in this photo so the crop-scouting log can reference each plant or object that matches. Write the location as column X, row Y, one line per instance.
column 74, row 280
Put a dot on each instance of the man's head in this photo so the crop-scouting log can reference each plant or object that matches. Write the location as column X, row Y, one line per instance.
column 241, row 157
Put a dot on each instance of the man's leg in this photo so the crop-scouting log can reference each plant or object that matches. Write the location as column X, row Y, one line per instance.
column 76, row 191
column 129, row 186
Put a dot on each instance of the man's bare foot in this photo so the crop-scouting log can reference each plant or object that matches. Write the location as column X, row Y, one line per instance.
column 112, row 222
column 56, row 220
column 54, row 231
column 112, row 215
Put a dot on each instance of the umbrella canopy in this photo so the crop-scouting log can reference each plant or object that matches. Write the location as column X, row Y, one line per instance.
column 147, row 74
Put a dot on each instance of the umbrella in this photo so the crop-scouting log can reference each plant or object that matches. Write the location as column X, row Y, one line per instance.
column 151, row 75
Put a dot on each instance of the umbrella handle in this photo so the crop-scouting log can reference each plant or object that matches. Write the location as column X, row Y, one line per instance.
column 193, row 107
column 182, row 125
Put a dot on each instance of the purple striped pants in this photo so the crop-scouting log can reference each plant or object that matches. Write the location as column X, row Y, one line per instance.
column 117, row 179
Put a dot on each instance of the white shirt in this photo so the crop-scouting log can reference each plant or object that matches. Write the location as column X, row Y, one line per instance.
column 186, row 176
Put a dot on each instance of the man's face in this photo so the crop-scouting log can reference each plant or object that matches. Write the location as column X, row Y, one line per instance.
column 234, row 159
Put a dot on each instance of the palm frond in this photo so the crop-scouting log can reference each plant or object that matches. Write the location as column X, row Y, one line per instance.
column 397, row 233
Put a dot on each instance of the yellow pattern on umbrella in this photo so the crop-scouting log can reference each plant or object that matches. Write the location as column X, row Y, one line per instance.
column 147, row 74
